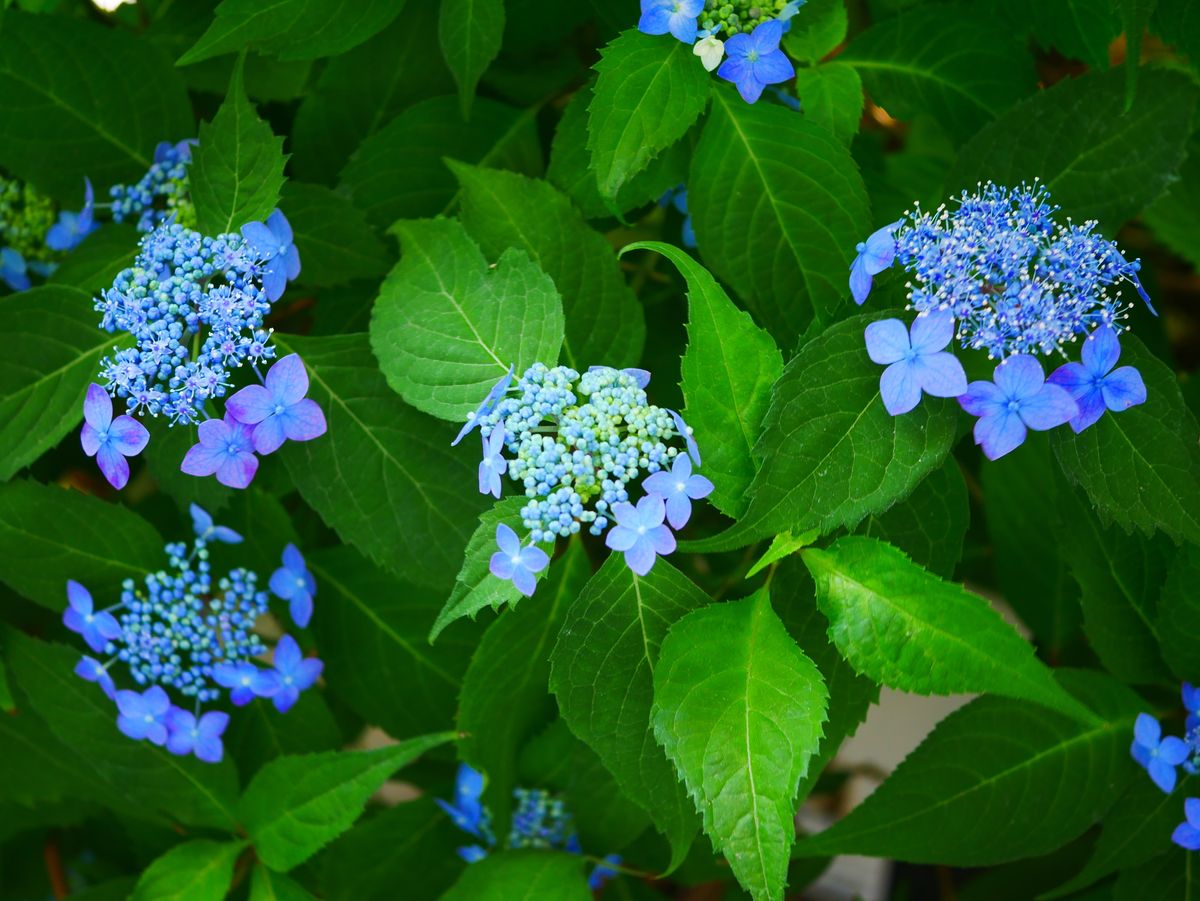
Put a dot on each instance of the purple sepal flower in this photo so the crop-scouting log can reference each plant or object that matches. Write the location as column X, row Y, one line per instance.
column 293, row 583
column 685, row 431
column 144, row 715
column 202, row 522
column 916, row 360
column 71, row 228
column 201, row 737
column 279, row 410
column 293, row 673
column 493, row 465
column 13, row 270
column 753, row 61
column 493, row 397
column 517, row 564
column 875, row 254
column 675, row 16
column 110, row 440
column 1187, row 833
column 272, row 240
column 678, row 488
column 1158, row 755
column 225, row 449
column 1094, row 384
column 92, row 670
column 241, row 679
column 640, row 533
column 1020, row 399
column 97, row 629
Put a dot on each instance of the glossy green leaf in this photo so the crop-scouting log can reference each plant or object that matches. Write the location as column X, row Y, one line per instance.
column 729, row 676
column 905, row 628
column 237, row 169
column 522, row 876
column 831, row 95
column 259, row 733
column 298, row 804
column 267, row 885
column 94, row 264
column 470, row 32
column 332, row 236
column 447, row 327
column 1179, row 613
column 602, row 672
column 778, row 206
column 649, row 90
column 1170, row 875
column 1078, row 29
column 1175, row 216
column 604, row 324
column 199, row 870
column 816, row 30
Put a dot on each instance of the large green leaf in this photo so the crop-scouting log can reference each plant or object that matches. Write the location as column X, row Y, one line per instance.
column 778, row 206
column 150, row 782
column 399, row 172
column 470, row 32
column 522, row 876
column 50, row 534
column 384, row 476
column 505, row 693
column 831, row 452
column 79, row 99
column 94, row 264
column 199, row 870
column 447, row 327
column 1141, row 467
column 602, row 672
column 267, row 885
column 816, row 30
column 54, row 350
column 832, row 97
column 1078, row 29
column 1101, row 162
column 1170, row 875
column 1179, row 613
column 604, row 323
column 730, row 677
column 237, row 169
column 964, row 68
column 905, row 628
column 259, row 734
column 332, row 236
column 292, row 29
column 371, row 626
column 298, row 804
column 995, row 781
column 649, row 90
column 1175, row 216
column 727, row 374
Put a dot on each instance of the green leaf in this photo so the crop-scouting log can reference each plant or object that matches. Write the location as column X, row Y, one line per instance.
column 778, row 206
column 54, row 350
column 94, row 264
column 371, row 628
column 199, row 870
column 816, row 30
column 831, row 453
column 504, row 692
column 163, row 456
column 446, row 327
column 1179, row 613
column 298, row 804
column 831, row 95
column 603, row 317
column 1078, row 29
column 384, row 476
column 729, row 676
column 258, row 734
column 1138, row 153
column 77, row 98
column 1141, row 467
column 399, row 172
column 470, row 32
column 782, row 546
column 50, row 534
column 1175, row 216
column 332, row 236
column 266, row 885
column 292, row 29
column 522, row 876
column 237, row 169
column 1170, row 875
column 1135, row 17
column 905, row 628
column 727, row 374
column 602, row 672
column 980, row 759
column 150, row 782
column 648, row 93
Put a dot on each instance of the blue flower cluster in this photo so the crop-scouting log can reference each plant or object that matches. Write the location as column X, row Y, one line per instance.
column 576, row 442
column 195, row 306
column 162, row 195
column 540, row 820
column 753, row 29
column 1161, row 756
column 1006, row 278
column 32, row 240
column 183, row 630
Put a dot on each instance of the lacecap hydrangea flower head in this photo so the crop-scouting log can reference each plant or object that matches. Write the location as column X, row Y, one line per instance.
column 575, row 443
column 738, row 38
column 184, row 635
column 999, row 273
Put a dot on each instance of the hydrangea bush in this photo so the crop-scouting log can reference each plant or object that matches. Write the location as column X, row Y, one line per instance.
column 492, row 449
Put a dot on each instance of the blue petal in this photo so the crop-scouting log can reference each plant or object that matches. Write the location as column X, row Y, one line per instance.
column 999, row 434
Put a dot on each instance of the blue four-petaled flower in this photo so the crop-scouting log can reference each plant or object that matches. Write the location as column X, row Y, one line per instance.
column 1019, row 399
column 144, row 716
column 675, row 16
column 243, row 681
column 293, row 673
column 517, row 564
column 189, row 734
column 640, row 533
column 493, row 465
column 72, row 228
column 678, row 487
column 1187, row 833
column 1094, row 384
column 875, row 254
column 293, row 583
column 1158, row 755
column 272, row 240
column 916, row 360
column 81, row 617
column 206, row 530
column 110, row 440
column 225, row 448
column 753, row 61
column 278, row 409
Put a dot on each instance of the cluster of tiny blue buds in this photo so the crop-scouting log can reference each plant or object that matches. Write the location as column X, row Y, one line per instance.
column 162, row 194
column 195, row 305
column 540, row 821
